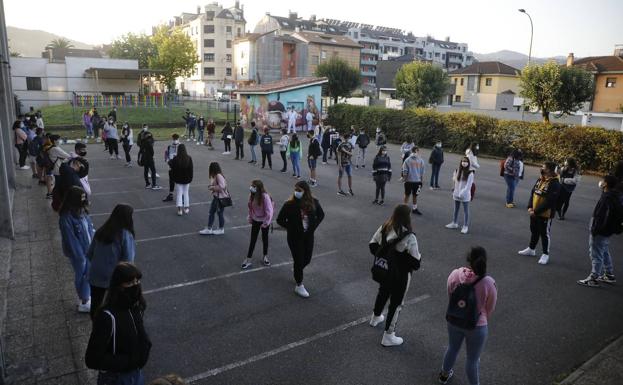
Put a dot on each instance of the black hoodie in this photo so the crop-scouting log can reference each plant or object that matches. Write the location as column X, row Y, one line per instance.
column 608, row 214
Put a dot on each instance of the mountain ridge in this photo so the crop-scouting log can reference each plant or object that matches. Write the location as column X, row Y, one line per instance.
column 31, row 42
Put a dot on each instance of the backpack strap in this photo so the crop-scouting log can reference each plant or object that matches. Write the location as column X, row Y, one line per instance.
column 478, row 280
column 113, row 333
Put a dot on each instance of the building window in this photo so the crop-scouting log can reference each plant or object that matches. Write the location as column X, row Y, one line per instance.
column 228, row 44
column 228, row 29
column 208, row 43
column 461, row 81
column 228, row 58
column 208, row 57
column 356, row 35
column 315, row 59
column 443, row 56
column 611, row 82
column 456, row 80
column 471, row 83
column 488, row 82
column 436, row 54
column 210, row 15
column 323, row 54
column 208, row 28
column 238, row 32
column 457, row 98
column 209, row 71
column 228, row 72
column 241, row 71
column 33, row 84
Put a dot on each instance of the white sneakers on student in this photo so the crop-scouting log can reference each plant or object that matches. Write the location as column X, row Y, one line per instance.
column 376, row 320
column 218, row 231
column 544, row 259
column 206, row 231
column 464, row 230
column 84, row 307
column 452, row 225
column 300, row 291
column 390, row 339
column 527, row 252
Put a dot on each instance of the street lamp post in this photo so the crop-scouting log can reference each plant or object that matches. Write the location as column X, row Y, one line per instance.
column 529, row 51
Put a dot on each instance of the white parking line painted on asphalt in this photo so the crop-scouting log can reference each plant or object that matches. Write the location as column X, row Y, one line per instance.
column 186, row 234
column 229, row 275
column 290, row 346
column 155, row 208
column 141, row 189
column 139, row 177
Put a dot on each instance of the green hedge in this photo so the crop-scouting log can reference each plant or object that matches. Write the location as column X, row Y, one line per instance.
column 595, row 148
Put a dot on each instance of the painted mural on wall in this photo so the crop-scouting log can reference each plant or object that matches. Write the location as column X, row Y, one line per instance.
column 273, row 110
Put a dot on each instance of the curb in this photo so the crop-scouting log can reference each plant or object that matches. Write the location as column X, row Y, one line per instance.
column 589, row 365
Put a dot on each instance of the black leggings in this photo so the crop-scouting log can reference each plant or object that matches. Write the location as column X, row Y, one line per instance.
column 380, row 189
column 171, row 182
column 255, row 229
column 97, row 297
column 227, row 145
column 113, row 145
column 301, row 247
column 265, row 156
column 239, row 150
column 563, row 201
column 325, row 152
column 285, row 162
column 126, row 149
column 540, row 228
column 22, row 150
column 394, row 291
column 149, row 165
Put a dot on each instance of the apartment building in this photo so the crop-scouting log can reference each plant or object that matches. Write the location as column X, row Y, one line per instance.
column 213, row 32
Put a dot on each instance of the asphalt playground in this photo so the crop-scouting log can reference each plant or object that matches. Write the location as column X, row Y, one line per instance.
column 212, row 323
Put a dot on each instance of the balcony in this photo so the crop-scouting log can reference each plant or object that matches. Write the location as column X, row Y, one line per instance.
column 368, row 62
column 368, row 73
column 370, row 51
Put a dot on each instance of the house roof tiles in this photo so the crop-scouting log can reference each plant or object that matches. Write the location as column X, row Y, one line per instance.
column 487, row 68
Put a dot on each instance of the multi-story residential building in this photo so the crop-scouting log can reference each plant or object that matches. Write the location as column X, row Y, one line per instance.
column 486, row 86
column 213, row 32
column 293, row 23
column 608, row 73
column 321, row 47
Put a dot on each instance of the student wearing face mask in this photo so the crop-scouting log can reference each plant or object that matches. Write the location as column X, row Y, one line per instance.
column 606, row 221
column 435, row 160
column 76, row 234
column 569, row 178
column 260, row 217
column 300, row 216
column 381, row 174
column 127, row 141
column 413, row 174
column 169, row 154
column 462, row 195
column 542, row 207
column 119, row 346
column 471, row 153
column 112, row 138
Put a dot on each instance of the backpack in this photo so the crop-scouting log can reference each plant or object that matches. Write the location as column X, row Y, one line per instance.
column 363, row 140
column 139, row 158
column 383, row 258
column 34, row 147
column 463, row 306
column 502, row 166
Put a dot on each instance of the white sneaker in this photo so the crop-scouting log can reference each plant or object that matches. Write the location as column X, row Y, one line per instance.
column 186, row 210
column 157, row 175
column 206, row 231
column 544, row 259
column 390, row 339
column 84, row 307
column 113, row 157
column 527, row 251
column 220, row 231
column 24, row 167
column 452, row 225
column 464, row 230
column 376, row 320
column 226, row 153
column 300, row 291
column 179, row 212
column 198, row 143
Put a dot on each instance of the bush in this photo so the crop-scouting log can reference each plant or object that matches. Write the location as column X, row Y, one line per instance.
column 595, row 148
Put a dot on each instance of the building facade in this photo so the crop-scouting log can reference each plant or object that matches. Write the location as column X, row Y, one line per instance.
column 486, row 86
column 213, row 32
column 321, row 47
column 608, row 73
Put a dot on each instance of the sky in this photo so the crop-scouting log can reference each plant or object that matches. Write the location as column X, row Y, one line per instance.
column 586, row 28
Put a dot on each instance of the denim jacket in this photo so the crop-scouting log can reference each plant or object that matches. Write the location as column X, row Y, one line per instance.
column 76, row 233
column 104, row 257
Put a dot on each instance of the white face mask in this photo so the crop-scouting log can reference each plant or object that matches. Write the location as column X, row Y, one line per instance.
column 298, row 194
column 464, row 164
column 144, row 128
column 253, row 189
column 384, row 153
column 110, row 122
column 601, row 184
column 438, row 144
column 176, row 142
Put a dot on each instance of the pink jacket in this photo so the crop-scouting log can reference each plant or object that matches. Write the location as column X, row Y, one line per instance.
column 219, row 186
column 486, row 291
column 262, row 213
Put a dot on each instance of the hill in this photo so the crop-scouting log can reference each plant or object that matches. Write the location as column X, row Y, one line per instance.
column 30, row 43
column 515, row 59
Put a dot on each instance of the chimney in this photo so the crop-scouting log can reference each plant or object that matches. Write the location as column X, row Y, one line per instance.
column 312, row 18
column 198, row 9
column 570, row 59
column 618, row 50
column 293, row 15
column 448, row 38
column 237, row 6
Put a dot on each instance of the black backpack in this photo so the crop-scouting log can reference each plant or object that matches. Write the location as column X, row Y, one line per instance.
column 383, row 258
column 35, row 146
column 463, row 306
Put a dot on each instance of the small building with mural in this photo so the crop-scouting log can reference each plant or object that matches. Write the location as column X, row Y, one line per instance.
column 268, row 103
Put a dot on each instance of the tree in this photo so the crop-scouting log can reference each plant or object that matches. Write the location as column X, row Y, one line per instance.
column 421, row 84
column 343, row 78
column 550, row 87
column 133, row 46
column 14, row 54
column 61, row 42
column 175, row 54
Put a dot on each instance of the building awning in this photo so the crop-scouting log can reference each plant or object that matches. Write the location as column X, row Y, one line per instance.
column 121, row 73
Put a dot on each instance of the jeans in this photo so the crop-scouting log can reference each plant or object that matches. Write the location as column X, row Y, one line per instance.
column 511, row 184
column 255, row 229
column 563, row 201
column 216, row 207
column 89, row 128
column 361, row 157
column 434, row 176
column 253, row 156
column 285, row 162
column 182, row 198
column 455, row 216
column 239, row 150
column 22, row 150
column 325, row 152
column 540, row 228
column 149, row 166
column 133, row 377
column 600, row 255
column 296, row 163
column 81, row 281
column 200, row 136
column 380, row 189
column 474, row 345
column 126, row 149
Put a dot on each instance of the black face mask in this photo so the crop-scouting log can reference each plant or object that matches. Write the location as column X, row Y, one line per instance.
column 82, row 153
column 542, row 172
column 129, row 296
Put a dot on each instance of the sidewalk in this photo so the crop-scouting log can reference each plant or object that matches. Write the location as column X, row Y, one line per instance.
column 605, row 368
column 44, row 338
